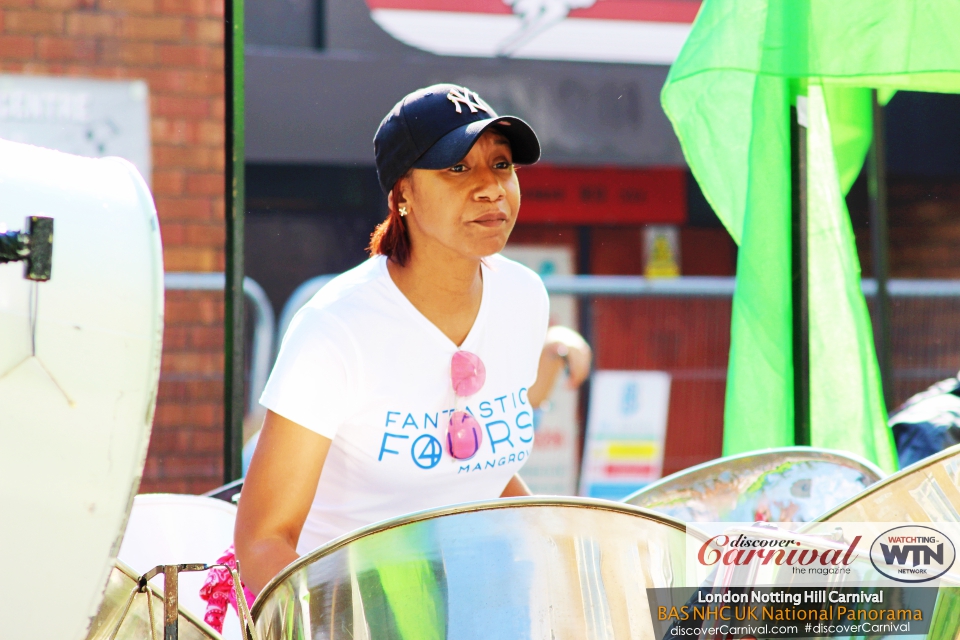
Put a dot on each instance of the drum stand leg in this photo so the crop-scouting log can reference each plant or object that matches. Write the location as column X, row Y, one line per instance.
column 171, row 594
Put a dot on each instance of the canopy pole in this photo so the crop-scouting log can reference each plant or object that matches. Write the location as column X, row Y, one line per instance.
column 879, row 241
column 233, row 362
column 800, row 273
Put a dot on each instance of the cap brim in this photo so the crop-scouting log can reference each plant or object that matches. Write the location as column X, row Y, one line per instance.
column 453, row 147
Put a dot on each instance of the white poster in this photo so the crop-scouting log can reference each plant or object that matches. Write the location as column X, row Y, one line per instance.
column 552, row 468
column 93, row 118
column 632, row 31
column 626, row 425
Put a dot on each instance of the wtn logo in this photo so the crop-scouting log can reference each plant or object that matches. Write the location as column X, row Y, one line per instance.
column 912, row 553
column 922, row 553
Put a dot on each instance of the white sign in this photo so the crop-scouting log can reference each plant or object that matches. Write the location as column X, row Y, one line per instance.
column 93, row 118
column 635, row 31
column 626, row 426
column 552, row 467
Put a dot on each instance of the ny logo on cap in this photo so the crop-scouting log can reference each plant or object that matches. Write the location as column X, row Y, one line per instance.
column 464, row 96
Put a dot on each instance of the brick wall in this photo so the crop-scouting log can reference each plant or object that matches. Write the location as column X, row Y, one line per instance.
column 177, row 47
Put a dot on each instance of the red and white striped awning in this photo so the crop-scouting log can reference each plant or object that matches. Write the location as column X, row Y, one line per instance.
column 630, row 31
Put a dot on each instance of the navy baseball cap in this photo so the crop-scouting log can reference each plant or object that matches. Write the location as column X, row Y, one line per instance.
column 435, row 127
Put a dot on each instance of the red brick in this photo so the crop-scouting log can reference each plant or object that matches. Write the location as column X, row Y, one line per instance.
column 178, row 55
column 169, row 131
column 208, row 337
column 152, row 28
column 205, row 184
column 198, row 8
column 165, row 156
column 60, row 5
column 206, row 234
column 74, row 49
column 215, row 8
column 91, row 24
column 208, row 31
column 184, row 467
column 192, row 362
column 194, row 312
column 17, row 47
column 207, row 309
column 129, row 6
column 128, row 53
column 165, row 80
column 35, row 22
column 211, row 441
column 210, row 132
column 208, row 83
column 191, row 259
column 206, row 389
column 180, row 107
column 170, row 183
column 169, row 209
column 218, row 108
column 175, row 337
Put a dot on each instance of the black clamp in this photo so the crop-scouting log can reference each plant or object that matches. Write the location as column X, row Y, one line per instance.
column 34, row 247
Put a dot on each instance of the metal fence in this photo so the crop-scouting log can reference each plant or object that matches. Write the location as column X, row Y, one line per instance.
column 679, row 325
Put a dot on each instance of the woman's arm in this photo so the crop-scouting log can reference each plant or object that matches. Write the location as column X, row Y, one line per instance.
column 516, row 488
column 276, row 498
column 563, row 347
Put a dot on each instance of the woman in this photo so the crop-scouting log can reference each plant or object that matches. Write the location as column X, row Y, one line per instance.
column 402, row 385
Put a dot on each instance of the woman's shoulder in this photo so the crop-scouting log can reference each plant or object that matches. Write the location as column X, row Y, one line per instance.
column 350, row 288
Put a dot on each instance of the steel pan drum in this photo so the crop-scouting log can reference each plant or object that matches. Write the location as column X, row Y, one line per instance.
column 791, row 484
column 122, row 597
column 926, row 491
column 562, row 568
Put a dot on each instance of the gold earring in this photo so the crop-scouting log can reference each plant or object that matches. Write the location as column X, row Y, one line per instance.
column 403, row 211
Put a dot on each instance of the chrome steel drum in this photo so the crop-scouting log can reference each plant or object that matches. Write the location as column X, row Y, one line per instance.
column 791, row 484
column 559, row 568
column 926, row 491
column 125, row 614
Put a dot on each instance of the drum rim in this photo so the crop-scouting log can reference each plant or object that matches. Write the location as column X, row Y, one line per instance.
column 892, row 478
column 456, row 509
column 805, row 454
column 190, row 617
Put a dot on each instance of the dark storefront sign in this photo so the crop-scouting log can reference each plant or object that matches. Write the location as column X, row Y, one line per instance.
column 603, row 195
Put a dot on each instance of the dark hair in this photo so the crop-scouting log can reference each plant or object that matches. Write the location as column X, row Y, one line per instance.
column 391, row 238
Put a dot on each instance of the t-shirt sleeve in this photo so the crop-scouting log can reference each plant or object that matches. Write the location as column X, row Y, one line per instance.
column 314, row 380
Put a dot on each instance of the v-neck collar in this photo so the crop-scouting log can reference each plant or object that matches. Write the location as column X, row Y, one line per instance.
column 423, row 320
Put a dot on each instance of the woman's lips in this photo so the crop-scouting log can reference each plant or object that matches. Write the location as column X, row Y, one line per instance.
column 494, row 219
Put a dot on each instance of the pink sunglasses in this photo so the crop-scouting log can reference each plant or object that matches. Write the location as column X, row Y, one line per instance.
column 464, row 435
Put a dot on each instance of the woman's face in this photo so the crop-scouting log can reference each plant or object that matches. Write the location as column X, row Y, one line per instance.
column 469, row 208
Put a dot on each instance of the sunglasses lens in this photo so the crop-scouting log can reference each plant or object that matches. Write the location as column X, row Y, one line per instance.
column 463, row 436
column 467, row 373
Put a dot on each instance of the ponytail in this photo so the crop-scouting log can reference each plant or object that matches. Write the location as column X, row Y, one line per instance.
column 390, row 238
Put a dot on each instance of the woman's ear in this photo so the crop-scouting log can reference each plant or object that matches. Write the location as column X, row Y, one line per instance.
column 401, row 195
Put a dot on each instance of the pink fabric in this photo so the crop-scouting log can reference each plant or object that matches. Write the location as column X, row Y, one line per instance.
column 218, row 591
column 467, row 373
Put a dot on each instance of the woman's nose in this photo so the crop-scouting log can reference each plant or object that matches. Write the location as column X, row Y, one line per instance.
column 490, row 184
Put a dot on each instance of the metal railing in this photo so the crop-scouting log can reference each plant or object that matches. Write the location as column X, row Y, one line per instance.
column 920, row 305
column 268, row 333
column 262, row 354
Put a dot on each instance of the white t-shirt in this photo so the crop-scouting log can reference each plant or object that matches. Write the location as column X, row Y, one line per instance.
column 361, row 366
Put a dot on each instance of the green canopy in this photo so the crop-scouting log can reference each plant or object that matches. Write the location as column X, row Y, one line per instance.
column 729, row 96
